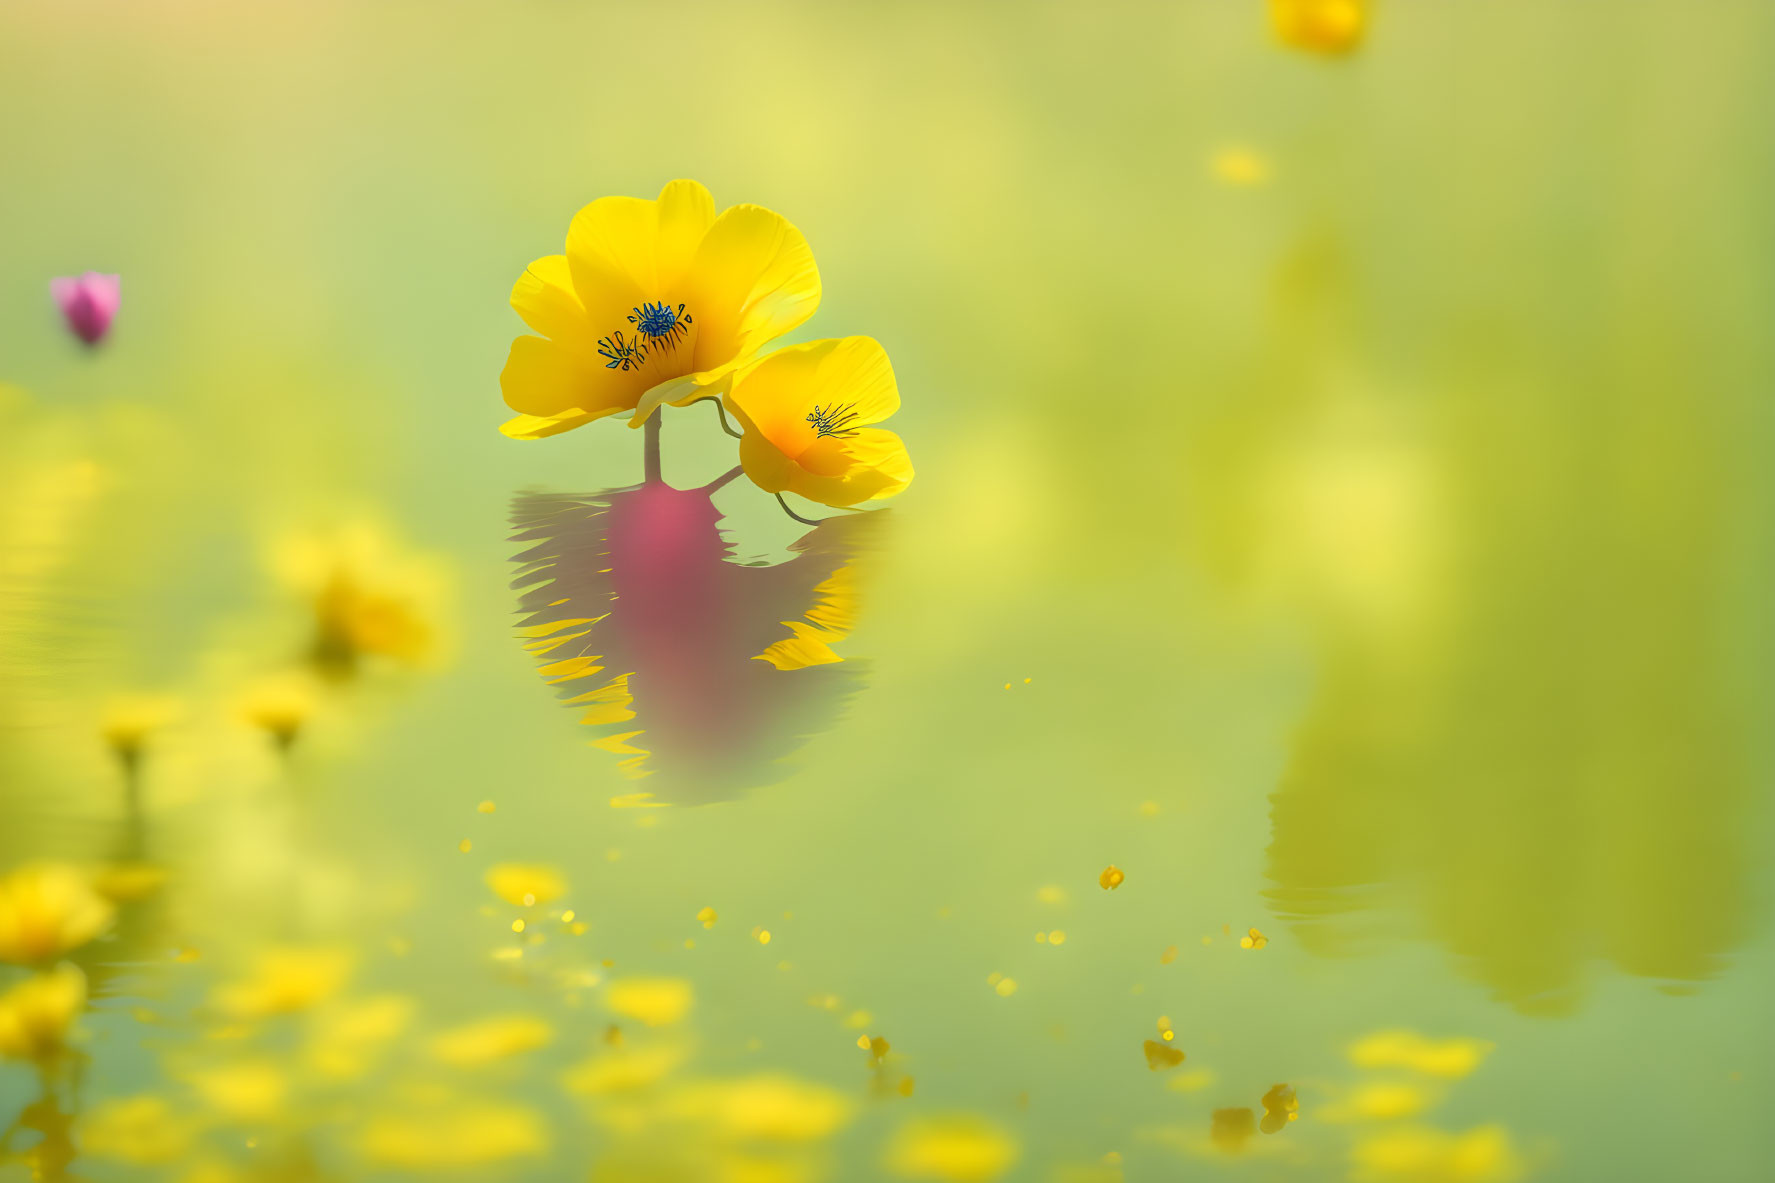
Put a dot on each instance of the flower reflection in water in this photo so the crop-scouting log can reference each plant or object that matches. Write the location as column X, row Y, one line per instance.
column 702, row 673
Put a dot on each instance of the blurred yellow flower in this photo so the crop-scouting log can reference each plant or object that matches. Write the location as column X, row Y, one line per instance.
column 960, row 1149
column 490, row 1039
column 766, row 1108
column 654, row 302
column 143, row 1130
column 370, row 598
column 35, row 1015
column 284, row 981
column 250, row 1090
column 454, row 1136
column 280, row 707
column 1447, row 1058
column 344, row 1040
column 47, row 909
column 657, row 1002
column 1380, row 1101
column 1321, row 26
column 1482, row 1155
column 621, row 1070
column 129, row 721
column 807, row 412
column 526, row 885
column 1240, row 166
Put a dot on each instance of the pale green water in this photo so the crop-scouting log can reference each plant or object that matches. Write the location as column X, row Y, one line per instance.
column 1385, row 547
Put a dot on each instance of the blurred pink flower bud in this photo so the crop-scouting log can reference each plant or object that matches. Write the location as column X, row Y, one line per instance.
column 88, row 303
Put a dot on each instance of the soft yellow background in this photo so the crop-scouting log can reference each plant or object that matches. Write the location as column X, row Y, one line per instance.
column 1391, row 515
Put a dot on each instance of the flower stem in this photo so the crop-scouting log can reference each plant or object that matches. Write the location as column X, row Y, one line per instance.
column 721, row 481
column 650, row 461
column 796, row 516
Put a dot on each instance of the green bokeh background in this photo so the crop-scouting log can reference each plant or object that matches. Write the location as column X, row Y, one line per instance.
column 1399, row 526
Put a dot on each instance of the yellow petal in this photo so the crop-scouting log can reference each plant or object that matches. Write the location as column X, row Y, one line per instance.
column 753, row 279
column 545, row 298
column 552, row 381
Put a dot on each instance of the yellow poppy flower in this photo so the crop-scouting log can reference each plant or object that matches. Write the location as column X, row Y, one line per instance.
column 1321, row 26
column 654, row 301
column 46, row 909
column 36, row 1013
column 807, row 412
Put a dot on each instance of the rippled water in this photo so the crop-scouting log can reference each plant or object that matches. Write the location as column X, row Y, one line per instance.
column 1327, row 636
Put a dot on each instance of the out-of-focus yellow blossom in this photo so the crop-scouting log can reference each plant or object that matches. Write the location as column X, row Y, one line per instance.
column 1242, row 167
column 526, row 885
column 622, row 1070
column 763, row 1108
column 654, row 302
column 490, row 1039
column 708, row 917
column 1482, row 1155
column 280, row 707
column 1450, row 1059
column 1230, row 1129
column 250, row 1090
column 123, row 882
column 460, row 1135
column 1321, row 26
column 285, row 981
column 128, row 722
column 807, row 412
column 1111, row 878
column 959, row 1149
column 657, row 1002
column 1381, row 1101
column 36, row 1014
column 143, row 1130
column 47, row 909
column 370, row 598
column 343, row 1041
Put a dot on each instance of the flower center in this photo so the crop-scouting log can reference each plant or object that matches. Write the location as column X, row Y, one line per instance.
column 833, row 421
column 660, row 323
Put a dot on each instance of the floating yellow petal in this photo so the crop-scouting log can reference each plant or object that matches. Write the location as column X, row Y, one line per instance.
column 490, row 1039
column 1450, row 1059
column 956, row 1149
column 1111, row 878
column 526, row 885
column 656, row 1002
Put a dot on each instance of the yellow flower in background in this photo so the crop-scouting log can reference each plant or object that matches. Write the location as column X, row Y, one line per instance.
column 35, row 1015
column 47, row 909
column 808, row 412
column 490, row 1039
column 763, row 1108
column 285, row 981
column 371, row 598
column 250, row 1090
column 143, row 1130
column 654, row 302
column 1450, row 1059
column 129, row 721
column 526, row 885
column 344, row 1041
column 459, row 1135
column 958, row 1149
column 280, row 707
column 1482, row 1155
column 1322, row 26
column 657, row 1002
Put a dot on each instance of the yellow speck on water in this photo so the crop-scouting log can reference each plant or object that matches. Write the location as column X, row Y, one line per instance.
column 1149, row 809
column 707, row 916
column 906, row 1086
column 529, row 899
column 761, row 935
column 992, row 979
column 508, row 953
column 1207, row 940
column 1169, row 955
column 1057, row 937
column 1240, row 166
column 1007, row 685
column 1053, row 893
column 784, row 966
column 857, row 1020
column 465, row 846
column 863, row 1042
column 567, row 916
column 577, row 928
column 1165, row 1026
column 1111, row 878
column 1041, row 938
column 1006, row 987
column 689, row 944
column 486, row 807
column 1226, row 930
column 517, row 926
column 878, row 1048
column 1253, row 940
column 1026, row 681
column 186, row 954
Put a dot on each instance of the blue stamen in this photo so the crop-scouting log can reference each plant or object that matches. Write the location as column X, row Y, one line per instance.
column 834, row 421
column 624, row 355
column 660, row 323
